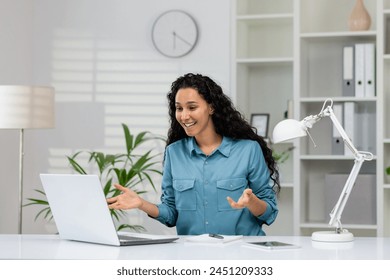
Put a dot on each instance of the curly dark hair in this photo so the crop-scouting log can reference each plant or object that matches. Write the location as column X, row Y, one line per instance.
column 227, row 120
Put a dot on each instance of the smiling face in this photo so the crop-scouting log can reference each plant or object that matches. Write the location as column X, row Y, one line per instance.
column 194, row 113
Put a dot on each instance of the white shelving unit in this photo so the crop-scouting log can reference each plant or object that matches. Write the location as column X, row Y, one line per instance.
column 291, row 51
column 384, row 117
column 263, row 62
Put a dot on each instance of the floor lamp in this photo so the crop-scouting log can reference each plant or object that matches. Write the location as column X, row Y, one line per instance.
column 25, row 107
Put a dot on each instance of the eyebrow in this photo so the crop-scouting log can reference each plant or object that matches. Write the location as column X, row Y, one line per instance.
column 188, row 103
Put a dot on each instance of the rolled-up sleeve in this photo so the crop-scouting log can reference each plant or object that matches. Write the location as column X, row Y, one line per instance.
column 260, row 183
column 167, row 208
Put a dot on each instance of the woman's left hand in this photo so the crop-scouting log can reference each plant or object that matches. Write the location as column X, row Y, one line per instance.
column 243, row 201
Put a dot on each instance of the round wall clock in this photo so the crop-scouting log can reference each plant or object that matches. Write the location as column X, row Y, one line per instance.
column 175, row 33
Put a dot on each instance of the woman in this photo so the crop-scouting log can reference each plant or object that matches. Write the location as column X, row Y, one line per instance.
column 219, row 176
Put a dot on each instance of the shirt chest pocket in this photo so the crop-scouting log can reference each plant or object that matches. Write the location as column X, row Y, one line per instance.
column 185, row 196
column 232, row 188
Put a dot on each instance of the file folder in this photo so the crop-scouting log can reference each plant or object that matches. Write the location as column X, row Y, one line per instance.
column 348, row 71
column 359, row 70
column 350, row 123
column 369, row 69
column 367, row 125
column 337, row 140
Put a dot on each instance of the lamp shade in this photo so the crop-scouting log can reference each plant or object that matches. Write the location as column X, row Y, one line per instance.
column 24, row 107
column 287, row 130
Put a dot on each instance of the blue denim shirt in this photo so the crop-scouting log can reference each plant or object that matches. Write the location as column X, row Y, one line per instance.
column 195, row 187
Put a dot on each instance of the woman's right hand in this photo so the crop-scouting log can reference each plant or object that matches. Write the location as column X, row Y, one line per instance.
column 128, row 199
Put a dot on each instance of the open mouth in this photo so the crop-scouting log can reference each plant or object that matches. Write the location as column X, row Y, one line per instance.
column 189, row 124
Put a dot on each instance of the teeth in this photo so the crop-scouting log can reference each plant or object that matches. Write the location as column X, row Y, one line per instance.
column 189, row 124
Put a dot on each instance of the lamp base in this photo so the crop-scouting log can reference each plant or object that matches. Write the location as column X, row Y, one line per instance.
column 332, row 236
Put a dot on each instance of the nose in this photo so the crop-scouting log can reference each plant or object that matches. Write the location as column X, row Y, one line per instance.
column 185, row 114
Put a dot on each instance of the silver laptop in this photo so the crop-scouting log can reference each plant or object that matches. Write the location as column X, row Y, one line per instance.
column 81, row 213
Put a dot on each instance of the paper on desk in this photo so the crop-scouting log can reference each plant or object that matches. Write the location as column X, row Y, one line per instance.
column 206, row 238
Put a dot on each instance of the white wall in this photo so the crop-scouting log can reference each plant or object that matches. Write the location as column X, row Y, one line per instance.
column 99, row 56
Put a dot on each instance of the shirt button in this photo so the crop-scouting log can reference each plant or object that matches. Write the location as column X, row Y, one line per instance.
column 206, row 222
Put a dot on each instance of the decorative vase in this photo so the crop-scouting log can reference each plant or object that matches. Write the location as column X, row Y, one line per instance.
column 359, row 19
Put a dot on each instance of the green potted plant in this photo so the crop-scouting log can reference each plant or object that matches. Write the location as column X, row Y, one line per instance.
column 128, row 169
column 281, row 157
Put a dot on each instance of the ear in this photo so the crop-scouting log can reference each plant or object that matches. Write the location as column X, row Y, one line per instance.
column 211, row 111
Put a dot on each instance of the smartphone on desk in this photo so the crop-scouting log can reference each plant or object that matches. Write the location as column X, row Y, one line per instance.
column 272, row 245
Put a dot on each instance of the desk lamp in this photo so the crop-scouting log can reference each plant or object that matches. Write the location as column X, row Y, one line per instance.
column 25, row 107
column 290, row 129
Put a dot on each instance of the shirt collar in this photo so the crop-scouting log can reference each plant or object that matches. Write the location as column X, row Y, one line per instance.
column 224, row 148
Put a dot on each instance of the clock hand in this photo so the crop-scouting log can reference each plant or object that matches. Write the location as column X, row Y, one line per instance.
column 174, row 39
column 181, row 38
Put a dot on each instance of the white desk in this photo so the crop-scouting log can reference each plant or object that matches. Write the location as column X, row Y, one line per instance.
column 50, row 247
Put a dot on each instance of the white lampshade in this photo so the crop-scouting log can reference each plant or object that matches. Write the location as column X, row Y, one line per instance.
column 24, row 107
column 287, row 130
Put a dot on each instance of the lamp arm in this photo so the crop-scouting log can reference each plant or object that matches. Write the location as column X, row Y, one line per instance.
column 360, row 157
column 335, row 214
column 347, row 141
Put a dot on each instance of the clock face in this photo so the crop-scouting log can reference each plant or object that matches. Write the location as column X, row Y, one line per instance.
column 174, row 33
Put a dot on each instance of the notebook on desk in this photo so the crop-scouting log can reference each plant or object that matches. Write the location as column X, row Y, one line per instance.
column 81, row 213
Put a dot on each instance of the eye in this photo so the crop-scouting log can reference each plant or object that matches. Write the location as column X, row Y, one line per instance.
column 179, row 109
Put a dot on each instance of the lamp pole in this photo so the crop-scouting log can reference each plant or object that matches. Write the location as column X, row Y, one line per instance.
column 21, row 156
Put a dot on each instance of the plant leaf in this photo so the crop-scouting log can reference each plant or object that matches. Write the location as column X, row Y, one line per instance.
column 136, row 228
column 129, row 139
column 76, row 166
